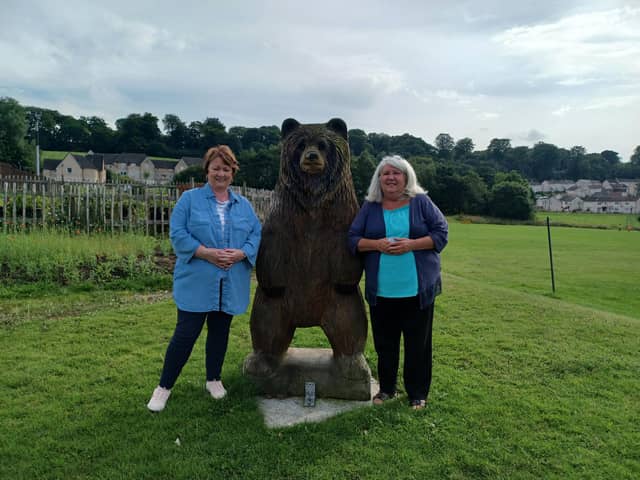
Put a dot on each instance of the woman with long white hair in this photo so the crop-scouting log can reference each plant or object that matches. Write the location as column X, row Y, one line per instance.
column 401, row 233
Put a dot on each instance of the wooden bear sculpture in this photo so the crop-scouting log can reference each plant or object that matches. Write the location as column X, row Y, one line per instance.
column 306, row 276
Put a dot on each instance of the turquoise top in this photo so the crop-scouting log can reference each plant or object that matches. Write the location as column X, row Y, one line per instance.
column 397, row 276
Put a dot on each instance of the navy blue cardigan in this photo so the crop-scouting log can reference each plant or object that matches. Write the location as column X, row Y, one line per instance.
column 424, row 219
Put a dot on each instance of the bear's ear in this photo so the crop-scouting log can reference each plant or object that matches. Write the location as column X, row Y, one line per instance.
column 288, row 126
column 338, row 126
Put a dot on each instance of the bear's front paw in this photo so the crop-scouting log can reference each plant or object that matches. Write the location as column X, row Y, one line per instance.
column 260, row 365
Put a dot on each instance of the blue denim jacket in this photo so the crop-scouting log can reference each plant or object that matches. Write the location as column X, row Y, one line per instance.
column 424, row 219
column 198, row 285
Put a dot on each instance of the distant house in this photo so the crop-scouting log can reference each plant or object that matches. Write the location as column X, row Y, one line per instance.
column 128, row 165
column 186, row 162
column 612, row 202
column 563, row 203
column 624, row 186
column 76, row 168
column 611, row 196
column 584, row 188
column 49, row 166
column 555, row 186
column 163, row 170
column 8, row 169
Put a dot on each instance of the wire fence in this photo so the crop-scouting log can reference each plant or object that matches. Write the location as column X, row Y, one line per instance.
column 29, row 203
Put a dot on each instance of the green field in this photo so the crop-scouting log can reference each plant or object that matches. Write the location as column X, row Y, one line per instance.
column 56, row 155
column 527, row 385
column 595, row 268
column 607, row 220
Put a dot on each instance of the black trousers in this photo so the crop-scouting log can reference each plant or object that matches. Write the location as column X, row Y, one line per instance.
column 188, row 328
column 391, row 318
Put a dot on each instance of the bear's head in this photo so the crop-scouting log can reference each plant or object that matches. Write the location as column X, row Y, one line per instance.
column 315, row 162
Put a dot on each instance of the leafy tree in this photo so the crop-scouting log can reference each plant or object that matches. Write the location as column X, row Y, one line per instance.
column 137, row 133
column 577, row 165
column 611, row 157
column 13, row 129
column 635, row 157
column 463, row 149
column 74, row 134
column 358, row 142
column 362, row 168
column 259, row 169
column 544, row 157
column 213, row 132
column 457, row 191
column 176, row 131
column 518, row 159
column 380, row 142
column 102, row 138
column 425, row 168
column 511, row 200
column 511, row 176
column 409, row 146
column 445, row 145
column 256, row 138
column 498, row 149
column 598, row 166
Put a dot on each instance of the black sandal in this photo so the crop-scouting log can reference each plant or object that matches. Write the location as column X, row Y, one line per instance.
column 417, row 404
column 381, row 397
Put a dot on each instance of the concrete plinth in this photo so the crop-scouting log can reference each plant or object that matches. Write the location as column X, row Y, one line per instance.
column 347, row 378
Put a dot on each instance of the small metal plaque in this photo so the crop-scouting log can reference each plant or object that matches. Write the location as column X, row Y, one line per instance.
column 309, row 394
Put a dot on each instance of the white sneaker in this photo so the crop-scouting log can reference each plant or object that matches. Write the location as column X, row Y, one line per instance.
column 216, row 389
column 159, row 399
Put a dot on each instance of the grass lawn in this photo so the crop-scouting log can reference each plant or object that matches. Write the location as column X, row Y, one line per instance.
column 56, row 155
column 595, row 268
column 526, row 385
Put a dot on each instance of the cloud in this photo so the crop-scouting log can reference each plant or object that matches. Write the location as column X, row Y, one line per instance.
column 562, row 110
column 612, row 102
column 473, row 69
column 580, row 45
column 533, row 135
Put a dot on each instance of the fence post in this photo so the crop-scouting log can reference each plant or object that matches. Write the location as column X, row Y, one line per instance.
column 87, row 213
column 553, row 282
column 5, row 201
column 24, row 204
column 44, row 205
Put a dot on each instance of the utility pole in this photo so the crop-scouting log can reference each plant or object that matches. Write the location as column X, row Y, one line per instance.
column 37, row 116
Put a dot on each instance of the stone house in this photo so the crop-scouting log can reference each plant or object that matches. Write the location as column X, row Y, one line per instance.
column 126, row 164
column 186, row 162
column 560, row 203
column 555, row 186
column 76, row 168
column 160, row 171
column 611, row 202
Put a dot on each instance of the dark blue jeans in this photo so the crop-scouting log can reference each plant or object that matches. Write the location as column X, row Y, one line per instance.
column 187, row 331
column 391, row 318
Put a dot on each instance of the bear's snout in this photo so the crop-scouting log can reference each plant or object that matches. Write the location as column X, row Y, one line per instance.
column 312, row 161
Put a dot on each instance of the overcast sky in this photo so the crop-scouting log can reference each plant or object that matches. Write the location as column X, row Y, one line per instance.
column 565, row 72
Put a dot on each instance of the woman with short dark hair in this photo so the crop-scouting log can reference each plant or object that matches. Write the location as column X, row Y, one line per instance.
column 215, row 234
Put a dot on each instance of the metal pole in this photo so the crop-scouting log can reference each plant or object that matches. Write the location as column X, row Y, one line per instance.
column 553, row 282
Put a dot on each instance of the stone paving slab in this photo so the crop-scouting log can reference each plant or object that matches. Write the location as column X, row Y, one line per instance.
column 290, row 411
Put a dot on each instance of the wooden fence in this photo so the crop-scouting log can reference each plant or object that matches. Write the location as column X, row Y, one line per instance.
column 27, row 204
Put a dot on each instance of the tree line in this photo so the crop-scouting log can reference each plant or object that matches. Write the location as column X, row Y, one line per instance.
column 460, row 178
